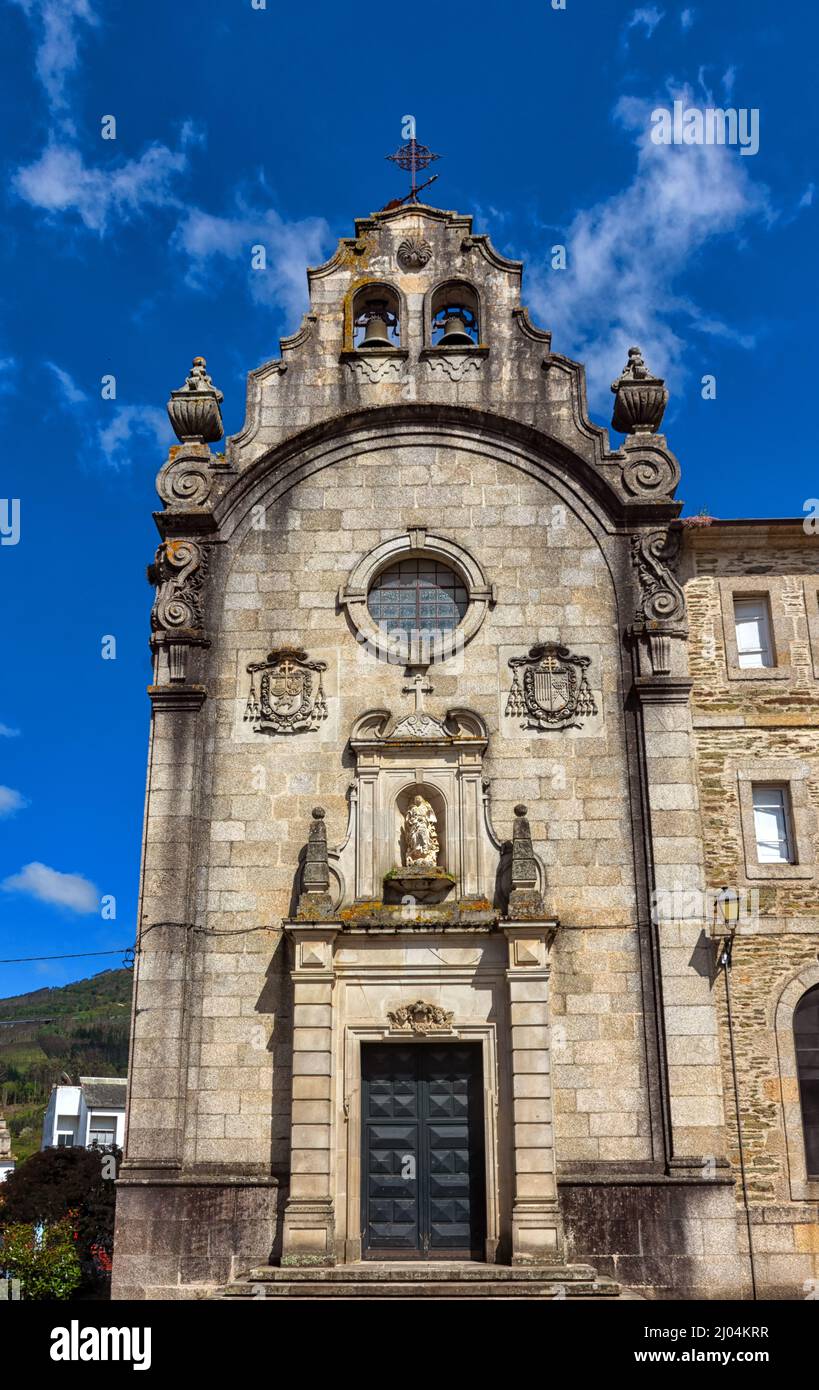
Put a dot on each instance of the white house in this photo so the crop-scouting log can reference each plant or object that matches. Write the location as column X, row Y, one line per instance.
column 86, row 1116
column 7, row 1161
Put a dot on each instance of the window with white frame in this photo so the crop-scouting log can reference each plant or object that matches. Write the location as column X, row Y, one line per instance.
column 772, row 824
column 102, row 1132
column 65, row 1140
column 752, row 617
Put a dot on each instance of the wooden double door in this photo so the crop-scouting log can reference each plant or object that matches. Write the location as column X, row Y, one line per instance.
column 423, row 1166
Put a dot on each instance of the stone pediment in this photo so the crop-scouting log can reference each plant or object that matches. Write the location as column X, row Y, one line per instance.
column 380, row 728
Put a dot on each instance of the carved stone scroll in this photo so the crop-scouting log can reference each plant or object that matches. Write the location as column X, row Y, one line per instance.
column 661, row 613
column 178, row 571
column 186, row 479
column 662, row 599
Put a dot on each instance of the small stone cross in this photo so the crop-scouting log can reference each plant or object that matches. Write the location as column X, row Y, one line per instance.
column 419, row 689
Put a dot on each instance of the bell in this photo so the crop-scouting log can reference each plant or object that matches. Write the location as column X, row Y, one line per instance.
column 375, row 334
column 455, row 334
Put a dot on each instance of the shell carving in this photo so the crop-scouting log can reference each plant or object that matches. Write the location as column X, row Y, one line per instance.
column 412, row 254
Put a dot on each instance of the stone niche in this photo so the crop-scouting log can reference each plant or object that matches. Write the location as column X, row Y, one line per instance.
column 441, row 762
column 419, row 869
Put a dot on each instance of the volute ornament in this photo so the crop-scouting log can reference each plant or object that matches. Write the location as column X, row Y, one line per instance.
column 178, row 572
column 185, row 481
column 649, row 468
column 661, row 611
column 662, row 599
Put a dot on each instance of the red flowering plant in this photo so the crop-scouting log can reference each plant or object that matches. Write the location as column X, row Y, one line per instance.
column 75, row 1187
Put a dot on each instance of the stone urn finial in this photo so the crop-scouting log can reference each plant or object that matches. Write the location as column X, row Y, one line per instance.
column 640, row 398
column 194, row 409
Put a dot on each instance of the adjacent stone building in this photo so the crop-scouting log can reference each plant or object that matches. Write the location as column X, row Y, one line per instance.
column 454, row 724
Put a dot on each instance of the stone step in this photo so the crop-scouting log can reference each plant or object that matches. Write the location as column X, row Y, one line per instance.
column 425, row 1289
column 403, row 1271
column 402, row 1280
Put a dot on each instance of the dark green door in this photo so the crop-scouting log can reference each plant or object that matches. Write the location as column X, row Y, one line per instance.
column 422, row 1161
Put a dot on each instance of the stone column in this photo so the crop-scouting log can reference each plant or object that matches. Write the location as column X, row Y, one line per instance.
column 309, row 1218
column 536, row 1228
column 688, row 1042
column 696, row 1114
column 156, row 1082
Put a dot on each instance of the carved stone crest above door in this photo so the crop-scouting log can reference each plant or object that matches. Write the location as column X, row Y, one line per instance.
column 550, row 689
column 420, row 1017
column 290, row 697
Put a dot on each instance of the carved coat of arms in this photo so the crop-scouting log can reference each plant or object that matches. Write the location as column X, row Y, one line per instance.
column 550, row 689
column 290, row 697
column 420, row 1017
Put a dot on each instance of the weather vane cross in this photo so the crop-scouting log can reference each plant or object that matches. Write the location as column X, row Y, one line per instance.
column 414, row 158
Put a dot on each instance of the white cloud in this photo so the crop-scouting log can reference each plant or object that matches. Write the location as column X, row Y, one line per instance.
column 687, row 18
column 70, row 391
column 120, row 429
column 50, row 886
column 60, row 181
column 806, row 201
column 627, row 254
column 729, row 78
column 11, row 801
column 58, row 24
column 7, row 732
column 648, row 16
column 290, row 247
column 130, row 426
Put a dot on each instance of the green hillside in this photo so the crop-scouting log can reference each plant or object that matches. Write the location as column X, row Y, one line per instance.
column 77, row 1029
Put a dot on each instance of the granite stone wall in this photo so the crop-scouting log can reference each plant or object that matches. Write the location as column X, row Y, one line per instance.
column 763, row 724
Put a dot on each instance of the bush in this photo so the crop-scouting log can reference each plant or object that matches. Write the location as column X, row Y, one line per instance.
column 43, row 1258
column 55, row 1186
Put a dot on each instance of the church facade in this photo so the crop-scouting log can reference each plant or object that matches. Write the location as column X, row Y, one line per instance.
column 477, row 930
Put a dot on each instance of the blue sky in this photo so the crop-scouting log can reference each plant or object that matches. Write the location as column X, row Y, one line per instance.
column 236, row 126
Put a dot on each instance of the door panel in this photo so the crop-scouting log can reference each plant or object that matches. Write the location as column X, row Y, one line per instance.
column 422, row 1138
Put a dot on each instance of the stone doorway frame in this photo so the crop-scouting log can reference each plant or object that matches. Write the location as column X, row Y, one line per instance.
column 348, row 1166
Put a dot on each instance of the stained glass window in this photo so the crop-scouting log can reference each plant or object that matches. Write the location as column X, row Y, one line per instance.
column 418, row 596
